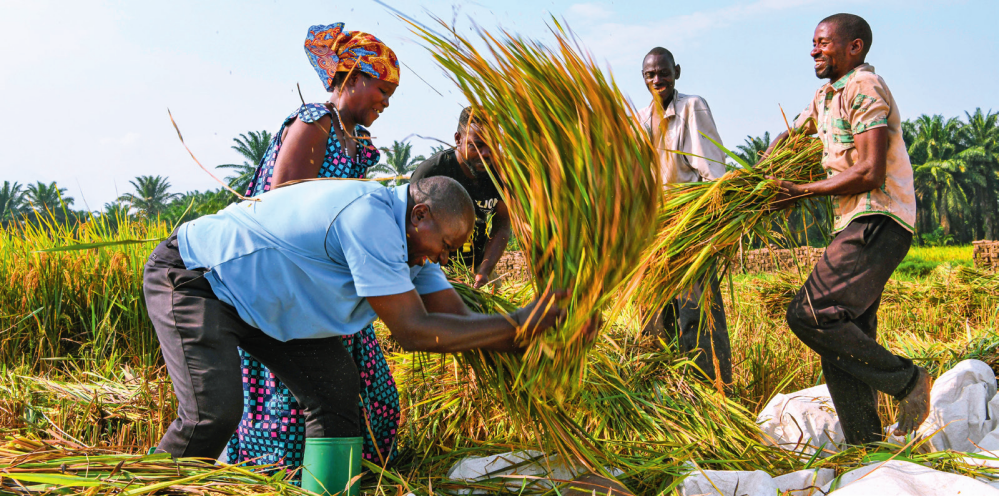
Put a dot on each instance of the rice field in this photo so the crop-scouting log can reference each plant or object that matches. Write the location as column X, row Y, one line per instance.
column 81, row 375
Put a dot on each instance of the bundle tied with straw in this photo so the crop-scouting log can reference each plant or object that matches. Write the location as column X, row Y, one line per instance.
column 700, row 225
column 574, row 168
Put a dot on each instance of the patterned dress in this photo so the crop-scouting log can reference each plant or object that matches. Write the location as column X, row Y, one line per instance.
column 272, row 430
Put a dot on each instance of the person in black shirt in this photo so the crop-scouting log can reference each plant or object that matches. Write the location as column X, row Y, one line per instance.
column 466, row 163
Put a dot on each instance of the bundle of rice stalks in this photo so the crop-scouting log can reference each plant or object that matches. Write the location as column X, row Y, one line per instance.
column 29, row 467
column 700, row 225
column 636, row 411
column 574, row 170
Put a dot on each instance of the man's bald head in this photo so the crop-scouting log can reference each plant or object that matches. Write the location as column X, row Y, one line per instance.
column 446, row 198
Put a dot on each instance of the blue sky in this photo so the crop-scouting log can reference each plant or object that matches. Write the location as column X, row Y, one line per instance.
column 86, row 84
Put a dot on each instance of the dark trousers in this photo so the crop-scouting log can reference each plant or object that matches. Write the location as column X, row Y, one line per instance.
column 836, row 314
column 679, row 322
column 198, row 337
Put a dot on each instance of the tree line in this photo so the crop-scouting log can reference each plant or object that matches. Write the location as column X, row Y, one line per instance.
column 955, row 166
column 955, row 163
column 151, row 197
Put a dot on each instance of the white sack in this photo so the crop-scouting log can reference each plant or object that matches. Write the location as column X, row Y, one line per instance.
column 531, row 464
column 990, row 443
column 758, row 483
column 959, row 407
column 804, row 482
column 802, row 421
column 896, row 478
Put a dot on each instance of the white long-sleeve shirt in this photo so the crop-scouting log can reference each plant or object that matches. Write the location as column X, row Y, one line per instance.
column 683, row 121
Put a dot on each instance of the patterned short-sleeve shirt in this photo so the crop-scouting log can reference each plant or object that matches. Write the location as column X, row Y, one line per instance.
column 855, row 103
column 336, row 163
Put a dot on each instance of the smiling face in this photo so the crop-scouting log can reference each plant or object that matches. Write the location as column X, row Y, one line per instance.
column 833, row 53
column 434, row 239
column 660, row 74
column 365, row 98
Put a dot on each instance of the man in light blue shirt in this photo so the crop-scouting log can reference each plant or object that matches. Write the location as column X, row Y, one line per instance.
column 286, row 276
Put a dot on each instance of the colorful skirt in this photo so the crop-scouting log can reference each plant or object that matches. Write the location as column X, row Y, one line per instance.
column 272, row 430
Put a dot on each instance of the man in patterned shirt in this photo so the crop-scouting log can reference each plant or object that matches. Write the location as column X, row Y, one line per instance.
column 870, row 181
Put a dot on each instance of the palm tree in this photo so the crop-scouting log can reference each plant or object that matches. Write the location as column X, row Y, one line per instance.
column 150, row 196
column 939, row 173
column 11, row 202
column 397, row 161
column 48, row 199
column 253, row 148
column 980, row 137
column 754, row 147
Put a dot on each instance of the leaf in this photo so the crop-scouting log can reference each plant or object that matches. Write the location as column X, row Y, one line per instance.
column 60, row 480
column 88, row 246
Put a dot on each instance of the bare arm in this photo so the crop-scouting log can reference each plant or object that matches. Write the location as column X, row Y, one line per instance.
column 418, row 330
column 866, row 174
column 447, row 301
column 496, row 244
column 303, row 150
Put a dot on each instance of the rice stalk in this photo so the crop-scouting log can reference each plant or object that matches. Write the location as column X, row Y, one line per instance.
column 638, row 410
column 700, row 225
column 31, row 466
column 575, row 171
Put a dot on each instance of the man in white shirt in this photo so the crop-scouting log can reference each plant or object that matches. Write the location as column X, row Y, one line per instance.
column 683, row 123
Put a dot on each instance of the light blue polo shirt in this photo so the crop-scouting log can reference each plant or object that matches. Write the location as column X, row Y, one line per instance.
column 299, row 263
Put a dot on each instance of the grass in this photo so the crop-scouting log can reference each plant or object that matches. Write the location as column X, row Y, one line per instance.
column 921, row 260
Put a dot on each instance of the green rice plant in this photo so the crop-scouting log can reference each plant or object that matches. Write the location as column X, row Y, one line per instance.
column 84, row 304
column 953, row 254
column 575, row 170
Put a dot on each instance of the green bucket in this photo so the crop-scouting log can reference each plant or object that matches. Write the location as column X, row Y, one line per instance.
column 330, row 463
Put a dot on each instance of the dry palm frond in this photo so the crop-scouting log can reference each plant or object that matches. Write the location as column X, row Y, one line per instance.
column 575, row 170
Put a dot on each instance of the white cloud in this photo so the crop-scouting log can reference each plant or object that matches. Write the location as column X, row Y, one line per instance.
column 590, row 10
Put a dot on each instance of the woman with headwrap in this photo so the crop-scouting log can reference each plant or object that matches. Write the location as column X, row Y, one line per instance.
column 324, row 140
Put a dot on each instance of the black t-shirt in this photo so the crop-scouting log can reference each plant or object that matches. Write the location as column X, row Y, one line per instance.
column 481, row 188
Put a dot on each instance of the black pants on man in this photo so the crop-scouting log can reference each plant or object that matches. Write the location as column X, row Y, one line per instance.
column 836, row 314
column 680, row 322
column 198, row 336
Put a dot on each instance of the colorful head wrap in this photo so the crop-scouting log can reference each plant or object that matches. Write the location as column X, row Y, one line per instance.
column 332, row 50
